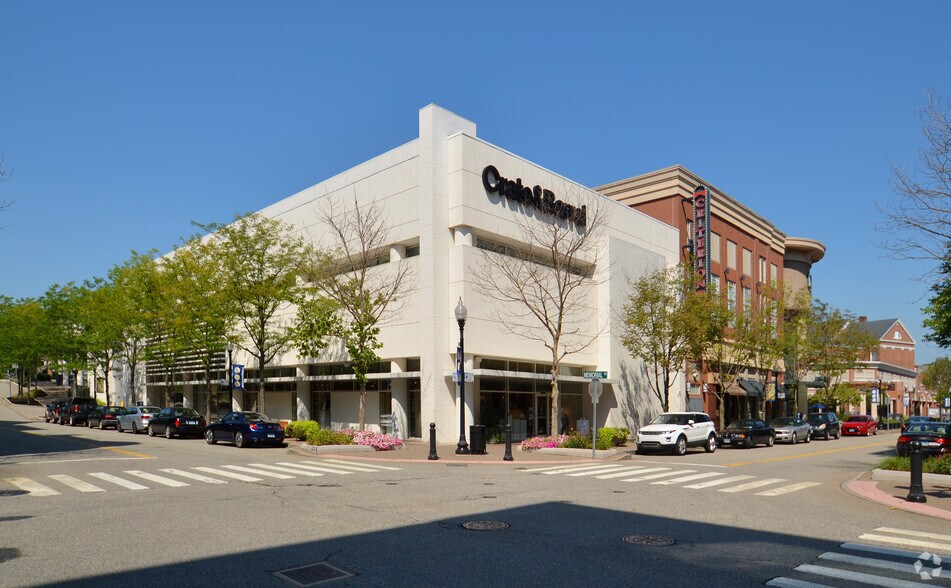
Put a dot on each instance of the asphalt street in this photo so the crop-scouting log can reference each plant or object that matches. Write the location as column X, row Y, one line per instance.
column 81, row 507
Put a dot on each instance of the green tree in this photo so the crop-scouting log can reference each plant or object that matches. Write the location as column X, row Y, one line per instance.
column 938, row 311
column 353, row 280
column 769, row 341
column 66, row 344
column 23, row 335
column 659, row 319
column 102, row 318
column 937, row 378
column 260, row 258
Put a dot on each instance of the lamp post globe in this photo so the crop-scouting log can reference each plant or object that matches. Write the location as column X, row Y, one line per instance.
column 462, row 448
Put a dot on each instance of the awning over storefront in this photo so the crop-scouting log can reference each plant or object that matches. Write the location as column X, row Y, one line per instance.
column 752, row 387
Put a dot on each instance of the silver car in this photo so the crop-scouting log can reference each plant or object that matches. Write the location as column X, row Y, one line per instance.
column 136, row 419
column 791, row 430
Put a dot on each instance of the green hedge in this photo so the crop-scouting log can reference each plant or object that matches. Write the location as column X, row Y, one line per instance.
column 300, row 429
column 617, row 437
column 930, row 465
column 576, row 440
column 320, row 436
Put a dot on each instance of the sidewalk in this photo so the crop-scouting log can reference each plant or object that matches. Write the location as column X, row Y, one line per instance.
column 891, row 488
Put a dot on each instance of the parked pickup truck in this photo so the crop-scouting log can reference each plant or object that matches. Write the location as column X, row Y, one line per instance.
column 76, row 410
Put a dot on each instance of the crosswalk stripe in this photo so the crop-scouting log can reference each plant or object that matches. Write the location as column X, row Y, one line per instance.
column 688, row 478
column 751, row 485
column 227, row 474
column 544, row 469
column 304, row 465
column 782, row 582
column 259, row 472
column 719, row 482
column 857, row 577
column 882, row 550
column 872, row 562
column 922, row 534
column 76, row 483
column 941, row 548
column 325, row 469
column 621, row 473
column 375, row 466
column 298, row 471
column 34, row 488
column 594, row 472
column 193, row 476
column 655, row 476
column 787, row 489
column 647, row 471
column 157, row 479
column 572, row 469
column 119, row 481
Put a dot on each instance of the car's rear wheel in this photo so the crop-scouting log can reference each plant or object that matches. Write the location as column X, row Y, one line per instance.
column 119, row 427
column 836, row 434
column 239, row 439
column 680, row 448
column 711, row 444
column 808, row 438
column 827, row 435
column 151, row 430
column 168, row 432
column 210, row 437
column 102, row 426
column 749, row 443
column 72, row 422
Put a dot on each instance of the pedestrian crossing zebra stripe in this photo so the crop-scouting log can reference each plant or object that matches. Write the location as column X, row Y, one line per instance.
column 258, row 472
column 850, row 576
column 689, row 478
column 943, row 548
column 620, row 473
column 787, row 489
column 656, row 476
column 157, row 479
column 361, row 466
column 871, row 562
column 193, row 476
column 327, row 470
column 127, row 484
column 601, row 470
column 296, row 471
column 227, row 474
column 649, row 470
column 76, row 483
column 751, row 485
column 719, row 482
column 34, row 488
column 921, row 534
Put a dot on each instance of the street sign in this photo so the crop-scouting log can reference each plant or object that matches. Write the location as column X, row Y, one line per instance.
column 596, row 375
column 470, row 377
column 594, row 389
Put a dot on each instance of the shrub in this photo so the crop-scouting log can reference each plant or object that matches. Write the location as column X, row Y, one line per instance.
column 378, row 441
column 320, row 436
column 577, row 441
column 930, row 465
column 615, row 437
column 300, row 429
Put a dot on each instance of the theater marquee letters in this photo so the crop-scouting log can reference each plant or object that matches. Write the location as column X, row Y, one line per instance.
column 538, row 198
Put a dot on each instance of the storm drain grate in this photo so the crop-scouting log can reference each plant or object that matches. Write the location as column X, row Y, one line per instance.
column 485, row 525
column 313, row 574
column 651, row 540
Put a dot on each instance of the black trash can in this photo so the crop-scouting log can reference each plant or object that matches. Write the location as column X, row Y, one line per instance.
column 477, row 439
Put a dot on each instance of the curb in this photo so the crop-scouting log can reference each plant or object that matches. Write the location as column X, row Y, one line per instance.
column 902, row 476
column 868, row 490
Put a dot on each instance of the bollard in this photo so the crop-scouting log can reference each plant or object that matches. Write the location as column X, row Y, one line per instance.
column 508, row 443
column 916, row 493
column 432, row 441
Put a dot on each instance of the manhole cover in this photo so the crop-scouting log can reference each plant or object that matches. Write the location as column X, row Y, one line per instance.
column 313, row 574
column 652, row 540
column 485, row 525
column 13, row 492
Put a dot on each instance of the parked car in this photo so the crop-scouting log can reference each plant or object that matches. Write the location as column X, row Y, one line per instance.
column 75, row 411
column 176, row 420
column 917, row 420
column 52, row 410
column 676, row 431
column 860, row 425
column 935, row 438
column 106, row 417
column 747, row 433
column 791, row 430
column 824, row 424
column 245, row 428
column 136, row 418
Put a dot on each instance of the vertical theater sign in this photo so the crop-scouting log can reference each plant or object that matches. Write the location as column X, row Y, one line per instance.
column 701, row 236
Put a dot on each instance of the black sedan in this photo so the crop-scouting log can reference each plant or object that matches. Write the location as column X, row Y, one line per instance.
column 746, row 433
column 177, row 421
column 245, row 428
column 935, row 438
column 105, row 417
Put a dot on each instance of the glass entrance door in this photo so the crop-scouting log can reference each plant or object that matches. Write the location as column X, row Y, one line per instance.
column 542, row 414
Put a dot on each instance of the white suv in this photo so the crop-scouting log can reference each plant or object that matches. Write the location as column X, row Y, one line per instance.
column 676, row 431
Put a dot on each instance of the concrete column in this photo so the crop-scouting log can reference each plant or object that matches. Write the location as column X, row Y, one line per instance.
column 399, row 405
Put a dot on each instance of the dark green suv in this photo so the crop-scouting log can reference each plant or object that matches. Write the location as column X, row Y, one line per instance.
column 824, row 424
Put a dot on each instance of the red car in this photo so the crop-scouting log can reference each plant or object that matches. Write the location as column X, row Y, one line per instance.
column 860, row 425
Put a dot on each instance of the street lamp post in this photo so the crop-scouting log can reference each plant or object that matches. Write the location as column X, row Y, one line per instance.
column 230, row 348
column 462, row 448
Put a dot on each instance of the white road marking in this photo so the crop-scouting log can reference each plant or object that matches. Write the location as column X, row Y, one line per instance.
column 688, row 478
column 157, row 479
column 119, row 481
column 232, row 475
column 593, row 472
column 751, row 485
column 298, row 471
column 348, row 464
column 941, row 548
column 858, row 577
column 922, row 534
column 34, row 488
column 325, row 469
column 787, row 489
column 872, row 562
column 259, row 472
column 683, row 463
column 573, row 469
column 791, row 583
column 718, row 482
column 76, row 483
column 648, row 470
column 655, row 476
column 193, row 476
column 882, row 550
column 621, row 473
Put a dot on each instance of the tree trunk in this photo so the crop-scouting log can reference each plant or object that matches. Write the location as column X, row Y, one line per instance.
column 209, row 397
column 721, row 398
column 363, row 405
column 261, row 381
column 555, row 417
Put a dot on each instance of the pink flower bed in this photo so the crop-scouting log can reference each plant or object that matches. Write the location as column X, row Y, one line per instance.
column 540, row 442
column 378, row 441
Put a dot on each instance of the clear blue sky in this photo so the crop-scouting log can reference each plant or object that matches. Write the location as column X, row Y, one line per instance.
column 124, row 121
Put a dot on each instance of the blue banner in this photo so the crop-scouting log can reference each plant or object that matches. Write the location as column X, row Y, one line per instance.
column 237, row 376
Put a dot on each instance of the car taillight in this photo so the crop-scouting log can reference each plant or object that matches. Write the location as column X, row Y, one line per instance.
column 146, row 416
column 944, row 441
column 904, row 439
column 255, row 427
column 108, row 416
column 178, row 422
